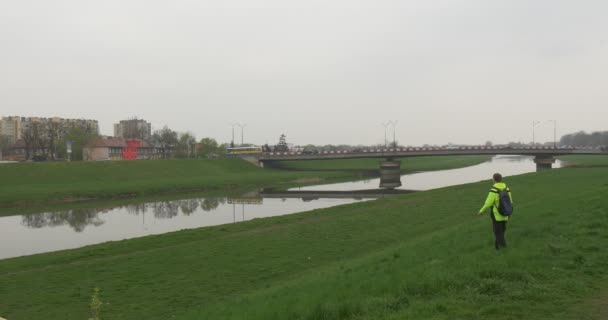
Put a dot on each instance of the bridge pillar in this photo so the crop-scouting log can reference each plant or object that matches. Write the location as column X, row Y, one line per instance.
column 390, row 174
column 544, row 163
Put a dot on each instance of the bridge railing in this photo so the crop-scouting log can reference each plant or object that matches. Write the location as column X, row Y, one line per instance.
column 418, row 149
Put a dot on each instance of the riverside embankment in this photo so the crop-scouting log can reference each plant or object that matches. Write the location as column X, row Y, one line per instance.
column 26, row 184
column 417, row 256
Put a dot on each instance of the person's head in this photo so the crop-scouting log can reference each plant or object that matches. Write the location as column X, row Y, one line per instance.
column 497, row 177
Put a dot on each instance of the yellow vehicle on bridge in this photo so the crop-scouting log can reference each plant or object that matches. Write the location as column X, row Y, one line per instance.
column 243, row 151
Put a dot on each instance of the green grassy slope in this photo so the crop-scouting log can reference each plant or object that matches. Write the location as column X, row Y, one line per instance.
column 60, row 181
column 595, row 160
column 42, row 181
column 417, row 256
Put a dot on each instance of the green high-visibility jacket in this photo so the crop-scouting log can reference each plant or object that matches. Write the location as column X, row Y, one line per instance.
column 492, row 202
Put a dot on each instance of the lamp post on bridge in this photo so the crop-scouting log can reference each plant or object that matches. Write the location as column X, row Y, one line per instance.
column 242, row 126
column 232, row 141
column 385, row 125
column 554, row 133
column 394, row 124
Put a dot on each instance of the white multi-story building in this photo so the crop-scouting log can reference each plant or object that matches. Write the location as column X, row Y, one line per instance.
column 133, row 128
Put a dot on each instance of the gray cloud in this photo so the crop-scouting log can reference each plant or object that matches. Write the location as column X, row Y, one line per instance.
column 318, row 71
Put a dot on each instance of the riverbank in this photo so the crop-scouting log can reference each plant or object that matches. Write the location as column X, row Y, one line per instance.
column 417, row 256
column 55, row 183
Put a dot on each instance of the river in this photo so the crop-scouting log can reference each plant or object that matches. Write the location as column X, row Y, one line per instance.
column 73, row 228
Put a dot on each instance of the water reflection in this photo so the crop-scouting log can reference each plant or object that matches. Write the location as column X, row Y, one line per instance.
column 171, row 209
column 57, row 230
column 507, row 165
column 77, row 219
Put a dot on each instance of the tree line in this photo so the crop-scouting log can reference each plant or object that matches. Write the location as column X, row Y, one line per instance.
column 583, row 139
column 48, row 140
column 185, row 145
column 42, row 141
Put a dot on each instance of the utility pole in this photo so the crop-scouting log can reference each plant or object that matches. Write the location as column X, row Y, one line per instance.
column 385, row 124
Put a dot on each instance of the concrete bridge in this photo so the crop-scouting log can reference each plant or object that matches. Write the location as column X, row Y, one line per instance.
column 390, row 168
column 544, row 156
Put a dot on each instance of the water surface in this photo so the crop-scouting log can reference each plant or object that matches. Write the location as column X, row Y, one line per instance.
column 506, row 165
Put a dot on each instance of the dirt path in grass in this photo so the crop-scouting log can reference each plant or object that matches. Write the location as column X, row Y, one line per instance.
column 601, row 312
column 595, row 308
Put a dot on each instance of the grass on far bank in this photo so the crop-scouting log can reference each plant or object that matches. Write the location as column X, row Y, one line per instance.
column 585, row 161
column 61, row 181
column 418, row 256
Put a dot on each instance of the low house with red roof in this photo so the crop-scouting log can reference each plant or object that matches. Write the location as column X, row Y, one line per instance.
column 115, row 148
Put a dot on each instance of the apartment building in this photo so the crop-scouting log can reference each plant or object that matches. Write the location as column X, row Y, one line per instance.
column 13, row 126
column 133, row 129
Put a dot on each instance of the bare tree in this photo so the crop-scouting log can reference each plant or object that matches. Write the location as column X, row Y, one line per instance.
column 54, row 132
column 27, row 136
column 41, row 140
column 166, row 139
column 185, row 145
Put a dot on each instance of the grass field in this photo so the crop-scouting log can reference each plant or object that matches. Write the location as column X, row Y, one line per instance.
column 418, row 256
column 57, row 182
column 585, row 161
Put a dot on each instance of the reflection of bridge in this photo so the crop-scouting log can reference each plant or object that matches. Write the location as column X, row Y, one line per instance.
column 314, row 195
column 245, row 201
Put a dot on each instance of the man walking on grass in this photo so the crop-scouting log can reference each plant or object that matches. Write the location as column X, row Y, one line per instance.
column 499, row 201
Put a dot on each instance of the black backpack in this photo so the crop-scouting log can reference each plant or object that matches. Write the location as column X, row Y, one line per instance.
column 505, row 207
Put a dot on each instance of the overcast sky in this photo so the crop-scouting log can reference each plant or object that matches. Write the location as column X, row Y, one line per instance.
column 318, row 71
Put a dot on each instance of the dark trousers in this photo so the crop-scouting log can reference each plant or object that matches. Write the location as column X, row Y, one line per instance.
column 499, row 228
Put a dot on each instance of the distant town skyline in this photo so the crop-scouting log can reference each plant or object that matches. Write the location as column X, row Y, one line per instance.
column 319, row 72
column 539, row 134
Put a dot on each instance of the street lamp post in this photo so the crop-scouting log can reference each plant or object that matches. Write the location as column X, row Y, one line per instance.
column 232, row 141
column 385, row 125
column 242, row 132
column 394, row 134
column 554, row 133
